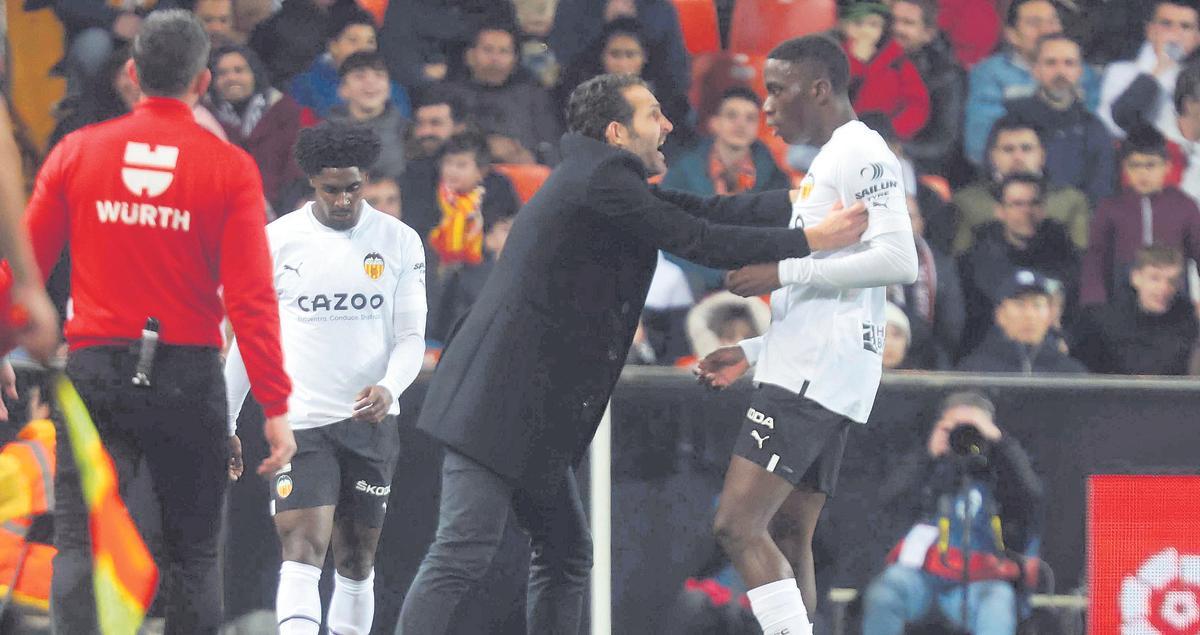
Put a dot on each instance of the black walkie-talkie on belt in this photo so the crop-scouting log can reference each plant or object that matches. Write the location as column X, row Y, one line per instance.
column 145, row 364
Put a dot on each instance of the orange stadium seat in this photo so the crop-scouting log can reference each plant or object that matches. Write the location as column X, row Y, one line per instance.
column 938, row 184
column 698, row 21
column 758, row 25
column 526, row 179
column 376, row 8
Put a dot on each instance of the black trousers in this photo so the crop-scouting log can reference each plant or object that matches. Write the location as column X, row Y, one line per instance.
column 178, row 427
column 476, row 504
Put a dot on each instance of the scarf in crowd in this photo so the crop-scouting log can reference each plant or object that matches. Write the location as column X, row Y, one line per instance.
column 922, row 294
column 227, row 114
column 458, row 238
column 731, row 179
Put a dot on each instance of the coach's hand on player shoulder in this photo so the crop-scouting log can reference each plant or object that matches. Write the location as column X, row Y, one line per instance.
column 235, row 458
column 753, row 280
column 722, row 367
column 282, row 442
column 843, row 226
column 372, row 404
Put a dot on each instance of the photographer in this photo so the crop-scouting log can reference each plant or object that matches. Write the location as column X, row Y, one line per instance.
column 974, row 492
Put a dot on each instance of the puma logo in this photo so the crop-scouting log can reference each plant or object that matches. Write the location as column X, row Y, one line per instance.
column 295, row 270
column 759, row 438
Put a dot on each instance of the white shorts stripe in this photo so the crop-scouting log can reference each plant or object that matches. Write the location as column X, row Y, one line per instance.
column 773, row 462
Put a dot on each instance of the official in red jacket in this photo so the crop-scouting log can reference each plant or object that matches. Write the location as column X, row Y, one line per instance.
column 882, row 78
column 159, row 215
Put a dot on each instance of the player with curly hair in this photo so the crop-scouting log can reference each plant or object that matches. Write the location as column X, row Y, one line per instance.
column 351, row 286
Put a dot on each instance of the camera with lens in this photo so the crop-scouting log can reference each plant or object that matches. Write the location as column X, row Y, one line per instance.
column 968, row 446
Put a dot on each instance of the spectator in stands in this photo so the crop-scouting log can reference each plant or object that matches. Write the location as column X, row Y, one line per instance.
column 577, row 25
column 664, row 317
column 1184, row 138
column 935, row 149
column 535, row 18
column 1142, row 89
column 724, row 319
column 1006, row 75
column 1102, row 28
column 933, row 303
column 92, row 30
column 260, row 119
column 440, row 114
column 519, row 116
column 319, row 87
column 367, row 102
column 1021, row 237
column 290, row 40
column 1017, row 146
column 382, row 191
column 1147, row 212
column 217, row 18
column 424, row 40
column 898, row 338
column 1020, row 342
column 469, row 213
column 1151, row 333
column 925, row 572
column 110, row 93
column 882, row 79
column 1079, row 150
column 732, row 161
column 972, row 26
column 622, row 48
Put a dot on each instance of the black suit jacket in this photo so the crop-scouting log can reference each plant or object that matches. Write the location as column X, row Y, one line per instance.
column 523, row 384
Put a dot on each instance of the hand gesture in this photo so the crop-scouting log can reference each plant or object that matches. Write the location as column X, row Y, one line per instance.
column 282, row 442
column 372, row 404
column 842, row 227
column 722, row 367
column 38, row 334
column 235, row 458
column 754, row 280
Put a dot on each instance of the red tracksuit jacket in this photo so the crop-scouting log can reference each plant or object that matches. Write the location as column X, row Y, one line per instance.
column 890, row 84
column 159, row 214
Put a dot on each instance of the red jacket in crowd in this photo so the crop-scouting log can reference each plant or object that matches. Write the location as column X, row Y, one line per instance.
column 889, row 84
column 973, row 27
column 160, row 214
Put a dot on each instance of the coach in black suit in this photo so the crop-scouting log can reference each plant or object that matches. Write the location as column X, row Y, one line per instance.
column 523, row 384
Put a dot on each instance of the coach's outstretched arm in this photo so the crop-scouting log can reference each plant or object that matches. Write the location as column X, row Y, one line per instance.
column 752, row 209
column 618, row 193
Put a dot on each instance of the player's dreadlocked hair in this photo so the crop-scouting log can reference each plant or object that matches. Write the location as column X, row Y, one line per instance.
column 330, row 145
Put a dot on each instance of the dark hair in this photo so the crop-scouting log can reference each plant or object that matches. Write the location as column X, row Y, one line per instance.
column 1054, row 37
column 929, row 11
column 970, row 398
column 1143, row 139
column 822, row 53
column 600, row 101
column 1187, row 86
column 739, row 92
column 170, row 51
column 880, row 123
column 436, row 94
column 725, row 315
column 1010, row 122
column 624, row 26
column 1157, row 256
column 1186, row 4
column 503, row 27
column 370, row 60
column 262, row 81
column 349, row 18
column 463, row 142
column 1025, row 178
column 1014, row 10
column 332, row 145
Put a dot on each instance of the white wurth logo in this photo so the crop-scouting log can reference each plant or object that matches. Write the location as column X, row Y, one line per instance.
column 148, row 182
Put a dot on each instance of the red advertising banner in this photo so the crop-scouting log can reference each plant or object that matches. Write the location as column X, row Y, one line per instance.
column 1144, row 555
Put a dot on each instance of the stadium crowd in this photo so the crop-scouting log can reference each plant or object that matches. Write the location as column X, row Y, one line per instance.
column 1036, row 137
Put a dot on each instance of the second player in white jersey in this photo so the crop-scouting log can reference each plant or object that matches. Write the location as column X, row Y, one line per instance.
column 352, row 310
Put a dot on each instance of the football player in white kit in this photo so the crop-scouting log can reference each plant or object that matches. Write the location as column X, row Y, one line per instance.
column 351, row 287
column 818, row 366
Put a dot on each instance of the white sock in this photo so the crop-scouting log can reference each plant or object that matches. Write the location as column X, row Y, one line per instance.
column 298, row 600
column 779, row 608
column 353, row 605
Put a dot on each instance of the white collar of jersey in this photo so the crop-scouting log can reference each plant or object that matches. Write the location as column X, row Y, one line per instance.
column 367, row 211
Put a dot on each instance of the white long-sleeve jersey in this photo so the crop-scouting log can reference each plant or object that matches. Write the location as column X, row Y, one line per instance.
column 827, row 321
column 352, row 310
